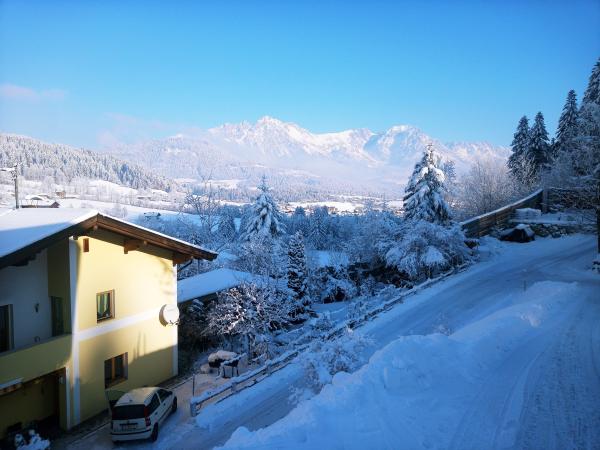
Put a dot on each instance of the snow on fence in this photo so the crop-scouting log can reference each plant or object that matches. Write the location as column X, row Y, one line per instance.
column 251, row 378
column 483, row 224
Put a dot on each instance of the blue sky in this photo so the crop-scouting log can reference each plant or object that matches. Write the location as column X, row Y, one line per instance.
column 92, row 73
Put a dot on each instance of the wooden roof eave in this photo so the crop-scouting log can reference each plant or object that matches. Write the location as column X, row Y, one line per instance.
column 158, row 240
column 107, row 223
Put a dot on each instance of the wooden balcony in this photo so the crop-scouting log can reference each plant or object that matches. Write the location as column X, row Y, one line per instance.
column 27, row 363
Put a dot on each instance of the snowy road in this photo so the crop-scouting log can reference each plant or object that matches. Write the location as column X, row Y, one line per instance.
column 540, row 394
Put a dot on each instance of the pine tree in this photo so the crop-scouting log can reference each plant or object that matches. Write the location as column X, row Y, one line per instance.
column 450, row 182
column 566, row 132
column 298, row 222
column 589, row 118
column 297, row 276
column 319, row 227
column 588, row 158
column 520, row 145
column 592, row 92
column 264, row 219
column 538, row 152
column 227, row 231
column 423, row 199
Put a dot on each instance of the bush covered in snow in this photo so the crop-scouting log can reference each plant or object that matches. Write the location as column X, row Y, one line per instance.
column 326, row 358
column 425, row 248
column 250, row 313
column 332, row 284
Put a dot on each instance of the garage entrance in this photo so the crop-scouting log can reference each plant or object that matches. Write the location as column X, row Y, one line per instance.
column 33, row 404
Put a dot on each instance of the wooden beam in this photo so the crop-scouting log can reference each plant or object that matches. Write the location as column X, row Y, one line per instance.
column 130, row 245
column 180, row 258
column 153, row 238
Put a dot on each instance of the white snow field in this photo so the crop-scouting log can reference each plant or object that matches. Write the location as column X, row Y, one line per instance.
column 519, row 369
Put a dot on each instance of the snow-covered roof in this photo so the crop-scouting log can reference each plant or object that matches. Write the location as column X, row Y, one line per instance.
column 210, row 283
column 21, row 229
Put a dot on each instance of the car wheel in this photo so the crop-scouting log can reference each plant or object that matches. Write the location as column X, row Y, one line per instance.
column 174, row 407
column 154, row 435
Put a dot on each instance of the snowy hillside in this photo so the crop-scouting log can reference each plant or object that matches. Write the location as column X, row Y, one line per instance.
column 62, row 164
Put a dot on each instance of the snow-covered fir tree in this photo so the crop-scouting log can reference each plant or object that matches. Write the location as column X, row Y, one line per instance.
column 566, row 133
column 298, row 222
column 589, row 120
column 538, row 152
column 424, row 194
column 592, row 92
column 297, row 274
column 588, row 167
column 264, row 219
column 578, row 175
column 450, row 182
column 519, row 146
column 319, row 228
column 227, row 230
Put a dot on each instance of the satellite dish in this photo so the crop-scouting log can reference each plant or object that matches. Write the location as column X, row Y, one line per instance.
column 169, row 314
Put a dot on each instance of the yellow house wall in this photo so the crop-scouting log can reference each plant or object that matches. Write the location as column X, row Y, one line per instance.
column 143, row 281
column 28, row 403
column 150, row 354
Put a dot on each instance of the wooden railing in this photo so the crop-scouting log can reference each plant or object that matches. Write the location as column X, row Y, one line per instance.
column 483, row 224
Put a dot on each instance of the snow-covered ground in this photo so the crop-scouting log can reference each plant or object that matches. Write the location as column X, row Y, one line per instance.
column 515, row 378
column 519, row 369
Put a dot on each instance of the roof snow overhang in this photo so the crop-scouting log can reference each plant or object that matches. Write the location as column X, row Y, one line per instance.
column 134, row 236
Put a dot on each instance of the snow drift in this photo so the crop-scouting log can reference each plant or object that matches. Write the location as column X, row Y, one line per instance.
column 414, row 392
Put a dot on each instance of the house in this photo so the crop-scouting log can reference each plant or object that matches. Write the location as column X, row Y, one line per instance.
column 39, row 201
column 82, row 309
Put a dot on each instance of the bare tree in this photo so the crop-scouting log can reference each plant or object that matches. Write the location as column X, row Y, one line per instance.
column 204, row 201
column 486, row 187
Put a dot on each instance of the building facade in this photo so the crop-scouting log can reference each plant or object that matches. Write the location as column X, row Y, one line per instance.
column 81, row 298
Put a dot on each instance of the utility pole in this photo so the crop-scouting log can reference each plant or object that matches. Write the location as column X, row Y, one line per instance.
column 15, row 176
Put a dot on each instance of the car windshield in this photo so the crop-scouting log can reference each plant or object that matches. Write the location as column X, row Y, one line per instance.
column 128, row 412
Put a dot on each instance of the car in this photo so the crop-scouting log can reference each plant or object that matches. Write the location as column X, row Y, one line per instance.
column 139, row 413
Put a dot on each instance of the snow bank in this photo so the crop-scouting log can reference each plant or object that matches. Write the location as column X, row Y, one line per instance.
column 414, row 392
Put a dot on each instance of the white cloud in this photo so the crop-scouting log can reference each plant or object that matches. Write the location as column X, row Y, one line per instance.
column 14, row 92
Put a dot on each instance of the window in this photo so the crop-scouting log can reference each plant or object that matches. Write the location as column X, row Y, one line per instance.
column 58, row 323
column 154, row 404
column 115, row 370
column 86, row 245
column 105, row 305
column 6, row 338
column 163, row 394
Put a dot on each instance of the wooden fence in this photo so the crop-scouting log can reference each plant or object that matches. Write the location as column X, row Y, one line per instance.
column 482, row 225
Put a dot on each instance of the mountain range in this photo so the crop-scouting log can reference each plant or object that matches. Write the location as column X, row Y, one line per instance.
column 299, row 163
column 361, row 159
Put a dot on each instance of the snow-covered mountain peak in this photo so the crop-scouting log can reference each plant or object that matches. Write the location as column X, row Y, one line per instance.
column 269, row 143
